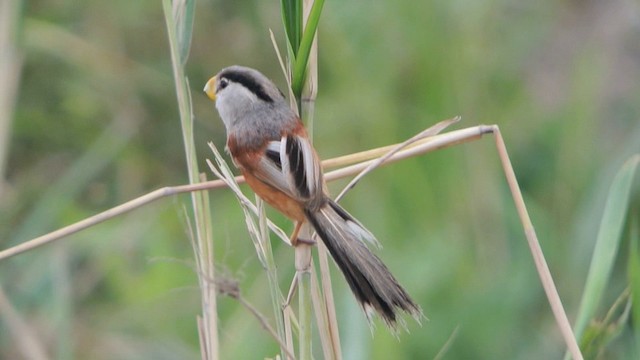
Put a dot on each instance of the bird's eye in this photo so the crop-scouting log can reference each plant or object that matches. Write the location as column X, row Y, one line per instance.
column 223, row 83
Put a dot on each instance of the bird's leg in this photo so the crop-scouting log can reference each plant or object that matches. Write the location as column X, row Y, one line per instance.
column 294, row 239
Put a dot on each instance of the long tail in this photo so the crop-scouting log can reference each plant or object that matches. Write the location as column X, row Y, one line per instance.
column 371, row 282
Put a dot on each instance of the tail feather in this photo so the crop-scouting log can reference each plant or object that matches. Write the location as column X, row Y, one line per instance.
column 370, row 281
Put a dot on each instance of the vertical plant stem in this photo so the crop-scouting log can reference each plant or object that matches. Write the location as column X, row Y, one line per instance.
column 178, row 22
column 304, row 302
column 309, row 45
column 322, row 311
column 25, row 339
column 304, row 87
column 10, row 70
column 303, row 273
column 303, row 252
column 329, row 304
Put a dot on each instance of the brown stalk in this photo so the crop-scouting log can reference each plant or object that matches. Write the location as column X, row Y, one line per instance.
column 421, row 147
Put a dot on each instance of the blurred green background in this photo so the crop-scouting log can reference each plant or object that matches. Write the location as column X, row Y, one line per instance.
column 92, row 122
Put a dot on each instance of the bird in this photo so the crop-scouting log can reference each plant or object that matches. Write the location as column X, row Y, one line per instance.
column 270, row 146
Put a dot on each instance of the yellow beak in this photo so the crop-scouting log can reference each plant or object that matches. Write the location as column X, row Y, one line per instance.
column 210, row 88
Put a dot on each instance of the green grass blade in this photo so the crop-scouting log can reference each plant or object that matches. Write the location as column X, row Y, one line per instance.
column 182, row 92
column 184, row 12
column 292, row 19
column 179, row 22
column 302, row 56
column 607, row 243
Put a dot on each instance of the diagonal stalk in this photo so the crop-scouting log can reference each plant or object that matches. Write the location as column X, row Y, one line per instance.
column 350, row 165
column 536, row 251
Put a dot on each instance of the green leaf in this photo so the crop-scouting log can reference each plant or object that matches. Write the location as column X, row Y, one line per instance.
column 607, row 243
column 599, row 334
column 302, row 56
column 183, row 13
column 292, row 18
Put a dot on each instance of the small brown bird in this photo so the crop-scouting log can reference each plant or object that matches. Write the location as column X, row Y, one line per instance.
column 269, row 144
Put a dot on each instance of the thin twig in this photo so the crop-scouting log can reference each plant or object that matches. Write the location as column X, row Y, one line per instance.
column 288, row 317
column 432, row 131
column 447, row 345
column 265, row 325
column 320, row 314
column 536, row 250
column 287, row 74
column 24, row 337
column 223, row 172
column 421, row 147
column 329, row 303
column 228, row 286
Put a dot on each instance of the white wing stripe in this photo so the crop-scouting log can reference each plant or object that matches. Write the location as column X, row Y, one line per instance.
column 310, row 166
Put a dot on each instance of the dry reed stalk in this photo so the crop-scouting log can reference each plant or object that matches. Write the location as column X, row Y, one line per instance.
column 352, row 165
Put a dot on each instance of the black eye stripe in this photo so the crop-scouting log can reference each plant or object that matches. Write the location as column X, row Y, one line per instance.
column 274, row 156
column 249, row 82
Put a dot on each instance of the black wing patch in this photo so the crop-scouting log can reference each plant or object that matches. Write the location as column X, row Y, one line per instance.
column 297, row 166
column 274, row 156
